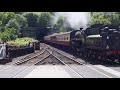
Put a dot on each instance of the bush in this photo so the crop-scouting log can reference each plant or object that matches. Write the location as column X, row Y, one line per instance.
column 8, row 34
column 21, row 41
column 0, row 41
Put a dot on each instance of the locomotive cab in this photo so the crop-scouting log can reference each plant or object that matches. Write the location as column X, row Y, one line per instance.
column 111, row 42
column 112, row 37
column 103, row 41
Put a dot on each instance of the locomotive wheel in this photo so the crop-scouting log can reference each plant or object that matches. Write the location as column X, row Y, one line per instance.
column 91, row 56
column 95, row 56
column 98, row 57
column 88, row 55
column 119, row 60
column 103, row 59
column 84, row 54
column 80, row 54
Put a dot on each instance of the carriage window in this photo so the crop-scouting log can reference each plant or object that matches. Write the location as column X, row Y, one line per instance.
column 66, row 38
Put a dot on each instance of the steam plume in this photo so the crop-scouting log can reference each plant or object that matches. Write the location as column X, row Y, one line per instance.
column 75, row 19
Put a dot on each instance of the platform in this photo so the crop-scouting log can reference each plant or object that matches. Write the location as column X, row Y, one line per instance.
column 59, row 71
column 48, row 72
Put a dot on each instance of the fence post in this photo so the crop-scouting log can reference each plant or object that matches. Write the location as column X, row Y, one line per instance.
column 4, row 50
column 33, row 47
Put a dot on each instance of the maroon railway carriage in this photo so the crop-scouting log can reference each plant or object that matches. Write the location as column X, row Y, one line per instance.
column 63, row 39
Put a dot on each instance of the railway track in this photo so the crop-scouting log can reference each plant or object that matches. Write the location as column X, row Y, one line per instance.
column 30, row 62
column 53, row 56
column 35, row 60
column 59, row 55
column 28, row 58
column 67, row 63
column 47, row 57
column 65, row 55
column 32, row 59
column 30, row 66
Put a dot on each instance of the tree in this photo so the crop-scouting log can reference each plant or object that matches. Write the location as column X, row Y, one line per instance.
column 45, row 19
column 114, row 17
column 18, row 23
column 6, row 16
column 99, row 18
column 105, row 18
column 0, row 23
column 18, row 12
column 60, row 24
column 32, row 18
column 8, row 34
column 13, row 23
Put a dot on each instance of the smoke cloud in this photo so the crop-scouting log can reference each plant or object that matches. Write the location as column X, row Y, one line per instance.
column 75, row 19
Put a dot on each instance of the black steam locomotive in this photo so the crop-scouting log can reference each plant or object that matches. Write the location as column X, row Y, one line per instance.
column 101, row 42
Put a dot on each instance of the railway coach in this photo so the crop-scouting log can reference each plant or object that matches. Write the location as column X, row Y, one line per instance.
column 64, row 39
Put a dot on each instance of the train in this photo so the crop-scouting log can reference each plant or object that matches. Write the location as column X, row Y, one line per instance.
column 97, row 42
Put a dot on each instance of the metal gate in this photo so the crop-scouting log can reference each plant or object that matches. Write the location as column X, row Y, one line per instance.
column 2, row 51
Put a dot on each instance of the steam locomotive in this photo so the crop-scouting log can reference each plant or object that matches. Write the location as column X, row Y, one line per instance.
column 98, row 42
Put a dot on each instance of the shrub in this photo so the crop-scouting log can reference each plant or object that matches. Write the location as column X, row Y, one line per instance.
column 21, row 41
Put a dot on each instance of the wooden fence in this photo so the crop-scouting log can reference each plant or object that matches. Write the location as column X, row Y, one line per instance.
column 8, row 52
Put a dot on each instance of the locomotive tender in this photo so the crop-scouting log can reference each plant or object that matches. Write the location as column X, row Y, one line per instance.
column 101, row 42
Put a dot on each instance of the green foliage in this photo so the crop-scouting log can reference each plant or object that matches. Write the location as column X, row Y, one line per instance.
column 44, row 20
column 38, row 19
column 105, row 18
column 60, row 23
column 22, row 21
column 18, row 12
column 114, row 17
column 19, row 22
column 21, row 41
column 8, row 34
column 11, row 23
column 6, row 16
column 0, row 41
column 99, row 18
column 62, row 29
column 32, row 18
column 0, row 23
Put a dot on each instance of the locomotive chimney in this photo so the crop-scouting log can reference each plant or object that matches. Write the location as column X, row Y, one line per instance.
column 81, row 28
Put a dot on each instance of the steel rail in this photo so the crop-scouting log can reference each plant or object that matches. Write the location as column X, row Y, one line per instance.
column 20, row 62
column 30, row 66
column 82, row 63
column 66, row 64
